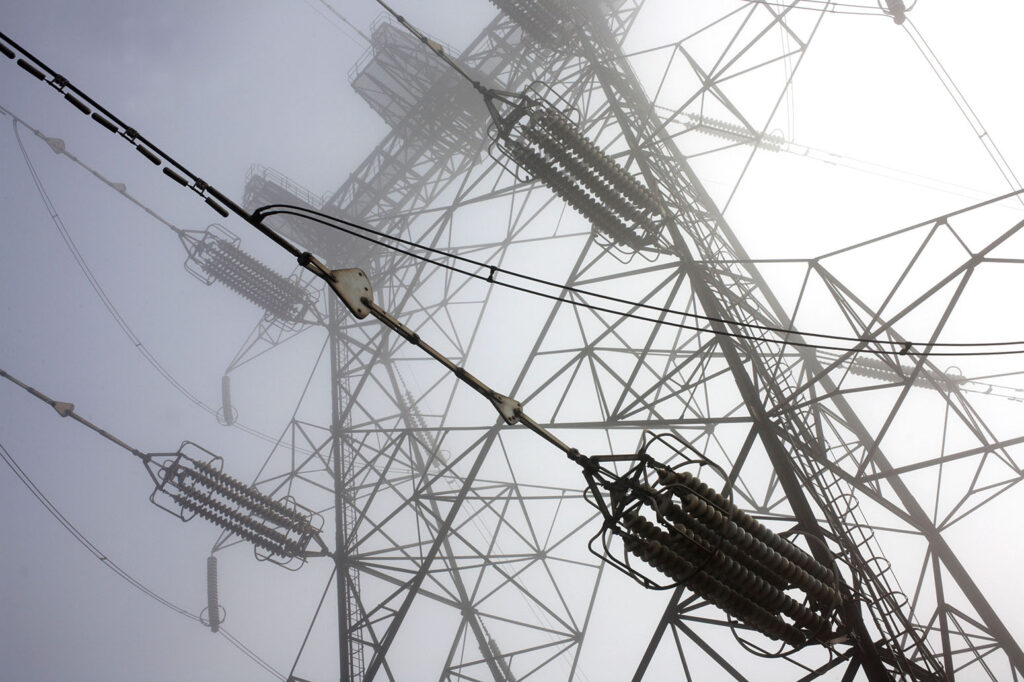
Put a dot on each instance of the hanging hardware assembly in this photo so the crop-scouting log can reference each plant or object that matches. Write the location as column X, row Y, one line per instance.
column 225, row 206
column 657, row 520
column 191, row 482
column 215, row 255
column 897, row 9
column 663, row 520
column 545, row 144
column 190, row 485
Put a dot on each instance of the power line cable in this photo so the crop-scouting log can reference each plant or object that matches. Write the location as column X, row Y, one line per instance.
column 897, row 346
column 59, row 147
column 333, row 10
column 218, row 201
column 103, row 558
column 965, row 107
column 169, row 166
column 785, row 143
column 904, row 347
column 68, row 410
column 933, row 61
column 22, row 476
column 883, row 171
column 235, row 642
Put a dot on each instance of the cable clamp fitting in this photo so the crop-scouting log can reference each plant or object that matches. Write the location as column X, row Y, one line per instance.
column 509, row 408
column 352, row 286
column 310, row 262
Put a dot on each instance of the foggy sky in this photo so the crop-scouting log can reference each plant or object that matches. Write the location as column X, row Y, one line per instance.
column 225, row 84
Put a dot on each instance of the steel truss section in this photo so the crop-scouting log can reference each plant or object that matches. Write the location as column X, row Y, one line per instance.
column 440, row 508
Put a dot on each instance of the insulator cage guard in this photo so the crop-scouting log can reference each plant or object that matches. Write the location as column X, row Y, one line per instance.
column 546, row 21
column 187, row 487
column 215, row 256
column 666, row 519
column 547, row 146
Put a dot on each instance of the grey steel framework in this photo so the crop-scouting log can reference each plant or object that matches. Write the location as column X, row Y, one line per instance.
column 459, row 536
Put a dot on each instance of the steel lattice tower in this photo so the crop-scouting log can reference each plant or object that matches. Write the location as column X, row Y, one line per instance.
column 436, row 505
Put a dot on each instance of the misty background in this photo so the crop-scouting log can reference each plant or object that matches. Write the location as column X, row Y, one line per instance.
column 877, row 144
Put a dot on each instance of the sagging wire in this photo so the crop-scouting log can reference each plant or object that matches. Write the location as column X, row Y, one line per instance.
column 174, row 170
column 59, row 147
column 105, row 559
column 489, row 273
column 693, row 530
column 191, row 482
column 223, row 205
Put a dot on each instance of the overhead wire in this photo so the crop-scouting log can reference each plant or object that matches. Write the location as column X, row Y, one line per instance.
column 884, row 171
column 218, row 201
column 904, row 347
column 492, row 271
column 58, row 147
column 331, row 8
column 94, row 283
column 968, row 112
column 99, row 554
column 68, row 410
column 788, row 145
column 937, row 67
column 235, row 642
column 104, row 559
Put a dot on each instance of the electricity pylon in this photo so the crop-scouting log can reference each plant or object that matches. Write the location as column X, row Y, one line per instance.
column 787, row 424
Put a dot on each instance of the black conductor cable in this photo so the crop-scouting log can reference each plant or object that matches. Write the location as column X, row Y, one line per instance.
column 170, row 167
column 59, row 147
column 67, row 410
column 224, row 205
column 899, row 347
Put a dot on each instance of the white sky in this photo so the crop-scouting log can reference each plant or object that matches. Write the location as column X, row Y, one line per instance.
column 221, row 85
